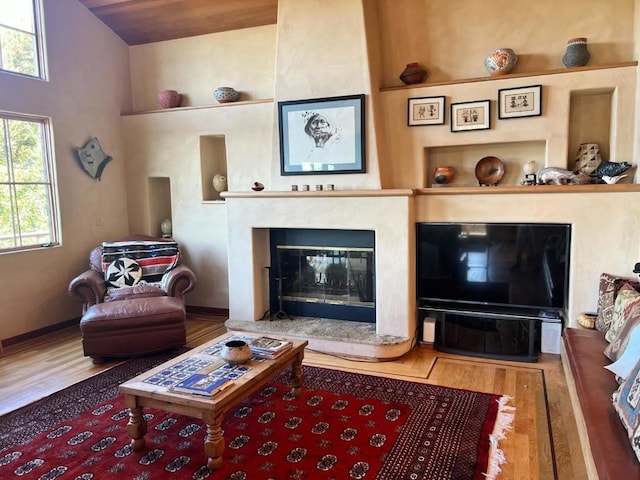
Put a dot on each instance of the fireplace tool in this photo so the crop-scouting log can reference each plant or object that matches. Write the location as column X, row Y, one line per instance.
column 280, row 314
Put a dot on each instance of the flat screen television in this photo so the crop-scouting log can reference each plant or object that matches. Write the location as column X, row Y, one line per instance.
column 505, row 266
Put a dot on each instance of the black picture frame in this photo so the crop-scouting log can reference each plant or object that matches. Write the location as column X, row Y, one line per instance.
column 425, row 111
column 322, row 135
column 520, row 102
column 471, row 116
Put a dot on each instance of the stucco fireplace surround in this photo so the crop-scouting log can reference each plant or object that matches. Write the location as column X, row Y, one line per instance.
column 388, row 213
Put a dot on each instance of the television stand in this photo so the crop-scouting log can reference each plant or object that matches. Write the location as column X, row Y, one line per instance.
column 504, row 336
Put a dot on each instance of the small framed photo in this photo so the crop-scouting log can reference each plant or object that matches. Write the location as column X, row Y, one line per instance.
column 520, row 102
column 322, row 135
column 426, row 111
column 471, row 116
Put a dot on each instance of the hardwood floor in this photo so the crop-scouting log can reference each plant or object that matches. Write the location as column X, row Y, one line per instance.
column 543, row 443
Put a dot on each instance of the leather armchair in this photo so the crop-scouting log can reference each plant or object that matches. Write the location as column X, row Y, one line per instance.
column 90, row 288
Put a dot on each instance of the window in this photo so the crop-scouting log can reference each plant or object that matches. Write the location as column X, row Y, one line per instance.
column 28, row 206
column 20, row 39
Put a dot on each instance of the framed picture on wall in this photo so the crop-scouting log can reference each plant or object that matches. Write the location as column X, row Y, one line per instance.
column 520, row 102
column 322, row 135
column 470, row 116
column 425, row 111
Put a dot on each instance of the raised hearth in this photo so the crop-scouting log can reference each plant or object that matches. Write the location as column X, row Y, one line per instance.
column 351, row 339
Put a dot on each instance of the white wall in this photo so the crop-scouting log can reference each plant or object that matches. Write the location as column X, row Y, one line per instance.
column 88, row 87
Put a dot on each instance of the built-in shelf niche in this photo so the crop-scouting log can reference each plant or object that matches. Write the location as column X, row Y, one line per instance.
column 159, row 203
column 463, row 158
column 213, row 160
column 590, row 122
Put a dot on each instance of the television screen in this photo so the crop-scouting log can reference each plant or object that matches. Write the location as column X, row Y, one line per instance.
column 493, row 264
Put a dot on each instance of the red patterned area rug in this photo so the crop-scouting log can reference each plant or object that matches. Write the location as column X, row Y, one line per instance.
column 343, row 426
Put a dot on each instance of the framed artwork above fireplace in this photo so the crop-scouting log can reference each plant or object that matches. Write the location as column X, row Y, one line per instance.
column 322, row 135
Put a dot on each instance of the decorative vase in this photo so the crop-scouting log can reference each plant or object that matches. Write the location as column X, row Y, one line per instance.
column 412, row 74
column 576, row 54
column 166, row 228
column 169, row 98
column 219, row 182
column 226, row 95
column 500, row 61
column 588, row 158
column 235, row 352
column 258, row 187
column 443, row 175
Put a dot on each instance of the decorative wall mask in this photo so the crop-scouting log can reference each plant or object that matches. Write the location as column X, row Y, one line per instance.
column 92, row 158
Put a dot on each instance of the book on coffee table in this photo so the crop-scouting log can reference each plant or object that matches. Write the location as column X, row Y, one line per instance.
column 268, row 347
column 202, row 384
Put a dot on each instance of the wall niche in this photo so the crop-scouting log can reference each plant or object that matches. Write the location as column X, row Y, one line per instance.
column 159, row 203
column 213, row 160
column 590, row 122
column 463, row 158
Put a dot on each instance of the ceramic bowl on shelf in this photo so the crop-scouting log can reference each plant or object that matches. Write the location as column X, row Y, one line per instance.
column 226, row 95
column 489, row 170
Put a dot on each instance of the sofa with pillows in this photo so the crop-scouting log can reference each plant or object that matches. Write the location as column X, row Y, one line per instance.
column 602, row 365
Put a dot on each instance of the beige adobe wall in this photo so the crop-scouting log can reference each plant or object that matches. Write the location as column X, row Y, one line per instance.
column 558, row 130
column 322, row 52
column 196, row 66
column 171, row 150
column 333, row 48
column 452, row 38
column 88, row 87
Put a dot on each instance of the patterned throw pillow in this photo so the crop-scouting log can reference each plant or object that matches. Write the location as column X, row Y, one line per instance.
column 626, row 306
column 619, row 343
column 123, row 272
column 626, row 401
column 608, row 290
column 155, row 258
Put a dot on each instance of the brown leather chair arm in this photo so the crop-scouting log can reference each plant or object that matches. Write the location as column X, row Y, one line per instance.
column 89, row 288
column 178, row 281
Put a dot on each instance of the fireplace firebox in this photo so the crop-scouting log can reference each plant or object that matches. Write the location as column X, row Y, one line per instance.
column 323, row 273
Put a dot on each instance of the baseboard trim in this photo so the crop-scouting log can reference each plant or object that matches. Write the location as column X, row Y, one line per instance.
column 36, row 333
column 218, row 312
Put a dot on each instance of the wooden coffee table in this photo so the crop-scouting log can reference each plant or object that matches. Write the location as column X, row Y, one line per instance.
column 140, row 392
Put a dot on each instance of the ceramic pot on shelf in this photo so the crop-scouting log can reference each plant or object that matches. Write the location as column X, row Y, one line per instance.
column 166, row 228
column 226, row 95
column 443, row 175
column 500, row 61
column 219, row 183
column 169, row 98
column 576, row 54
column 413, row 73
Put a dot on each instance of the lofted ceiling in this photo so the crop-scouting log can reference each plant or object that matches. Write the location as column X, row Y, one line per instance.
column 146, row 21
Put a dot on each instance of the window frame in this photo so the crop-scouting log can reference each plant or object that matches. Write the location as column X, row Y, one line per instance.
column 41, row 56
column 50, row 182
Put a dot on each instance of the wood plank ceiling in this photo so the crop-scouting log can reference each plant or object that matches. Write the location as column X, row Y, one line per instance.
column 146, row 21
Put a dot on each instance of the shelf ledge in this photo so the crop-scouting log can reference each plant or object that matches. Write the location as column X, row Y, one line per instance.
column 530, row 189
column 512, row 75
column 200, row 107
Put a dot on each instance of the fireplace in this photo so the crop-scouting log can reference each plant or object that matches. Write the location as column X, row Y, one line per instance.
column 383, row 217
column 322, row 273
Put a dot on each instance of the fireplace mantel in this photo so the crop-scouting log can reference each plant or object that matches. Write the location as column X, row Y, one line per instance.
column 388, row 213
column 320, row 194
